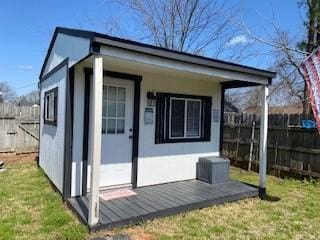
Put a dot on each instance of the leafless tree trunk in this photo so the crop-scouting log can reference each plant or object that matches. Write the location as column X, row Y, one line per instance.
column 7, row 94
column 289, row 53
column 203, row 27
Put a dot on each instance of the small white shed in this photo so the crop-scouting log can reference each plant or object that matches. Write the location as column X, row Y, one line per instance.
column 119, row 113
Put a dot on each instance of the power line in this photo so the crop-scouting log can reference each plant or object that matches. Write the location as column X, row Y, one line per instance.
column 25, row 86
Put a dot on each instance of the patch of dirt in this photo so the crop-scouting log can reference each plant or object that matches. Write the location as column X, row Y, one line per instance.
column 138, row 234
column 133, row 234
column 20, row 158
column 143, row 236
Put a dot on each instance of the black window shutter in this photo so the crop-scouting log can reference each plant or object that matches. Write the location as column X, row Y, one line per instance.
column 160, row 114
column 207, row 103
column 44, row 107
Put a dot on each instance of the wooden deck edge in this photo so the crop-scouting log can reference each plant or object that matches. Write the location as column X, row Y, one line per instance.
column 174, row 210
column 75, row 212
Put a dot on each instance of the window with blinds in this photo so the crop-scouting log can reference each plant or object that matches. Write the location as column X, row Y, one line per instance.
column 182, row 118
column 185, row 120
column 193, row 122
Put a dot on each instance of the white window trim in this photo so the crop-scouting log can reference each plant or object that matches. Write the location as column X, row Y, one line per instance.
column 49, row 96
column 185, row 118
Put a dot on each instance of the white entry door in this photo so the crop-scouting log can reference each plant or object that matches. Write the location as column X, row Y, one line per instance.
column 117, row 130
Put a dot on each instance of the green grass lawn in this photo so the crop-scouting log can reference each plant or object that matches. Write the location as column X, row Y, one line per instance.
column 30, row 209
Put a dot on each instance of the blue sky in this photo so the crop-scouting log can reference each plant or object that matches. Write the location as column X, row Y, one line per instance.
column 26, row 28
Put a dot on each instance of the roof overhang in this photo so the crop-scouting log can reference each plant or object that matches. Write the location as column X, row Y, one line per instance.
column 99, row 41
column 181, row 56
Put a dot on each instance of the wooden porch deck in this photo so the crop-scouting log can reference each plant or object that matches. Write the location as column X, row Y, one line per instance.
column 160, row 201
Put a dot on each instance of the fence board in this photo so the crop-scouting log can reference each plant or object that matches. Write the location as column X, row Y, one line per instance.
column 291, row 148
column 19, row 128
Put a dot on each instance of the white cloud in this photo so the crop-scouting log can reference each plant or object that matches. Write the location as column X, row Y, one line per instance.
column 25, row 67
column 240, row 39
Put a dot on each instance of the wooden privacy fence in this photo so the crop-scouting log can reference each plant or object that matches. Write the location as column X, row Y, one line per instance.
column 291, row 148
column 19, row 128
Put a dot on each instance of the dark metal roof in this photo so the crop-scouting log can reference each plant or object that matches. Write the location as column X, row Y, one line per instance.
column 156, row 51
column 229, row 107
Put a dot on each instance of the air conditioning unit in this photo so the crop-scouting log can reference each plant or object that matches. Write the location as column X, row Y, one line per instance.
column 213, row 170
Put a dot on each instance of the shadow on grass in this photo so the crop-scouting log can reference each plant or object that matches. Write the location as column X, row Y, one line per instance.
column 264, row 196
column 269, row 198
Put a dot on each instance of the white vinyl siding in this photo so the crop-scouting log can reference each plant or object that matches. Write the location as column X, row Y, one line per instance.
column 52, row 144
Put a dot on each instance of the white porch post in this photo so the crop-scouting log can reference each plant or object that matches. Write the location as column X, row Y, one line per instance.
column 263, row 141
column 95, row 139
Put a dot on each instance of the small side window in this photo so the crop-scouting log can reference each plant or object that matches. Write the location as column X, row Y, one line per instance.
column 51, row 106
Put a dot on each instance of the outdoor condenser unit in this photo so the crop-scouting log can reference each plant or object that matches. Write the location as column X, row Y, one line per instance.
column 213, row 170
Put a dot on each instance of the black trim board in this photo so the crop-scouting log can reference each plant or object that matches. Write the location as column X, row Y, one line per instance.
column 136, row 117
column 86, row 119
column 54, row 70
column 68, row 142
column 239, row 84
column 222, row 99
column 120, row 75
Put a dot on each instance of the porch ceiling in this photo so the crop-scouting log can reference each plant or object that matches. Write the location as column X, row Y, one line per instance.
column 138, row 64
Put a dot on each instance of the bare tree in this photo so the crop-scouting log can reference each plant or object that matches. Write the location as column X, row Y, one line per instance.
column 244, row 99
column 203, row 27
column 29, row 99
column 289, row 53
column 7, row 94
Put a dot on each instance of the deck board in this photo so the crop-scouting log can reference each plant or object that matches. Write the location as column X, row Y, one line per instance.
column 107, row 211
column 161, row 200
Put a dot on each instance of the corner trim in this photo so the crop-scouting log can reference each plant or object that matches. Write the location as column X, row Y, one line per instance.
column 86, row 121
column 223, row 91
column 68, row 137
column 136, row 120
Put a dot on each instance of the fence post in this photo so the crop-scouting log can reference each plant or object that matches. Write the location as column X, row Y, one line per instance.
column 238, row 139
column 263, row 141
column 251, row 145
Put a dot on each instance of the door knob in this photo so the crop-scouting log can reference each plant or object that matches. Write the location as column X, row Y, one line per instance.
column 130, row 136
